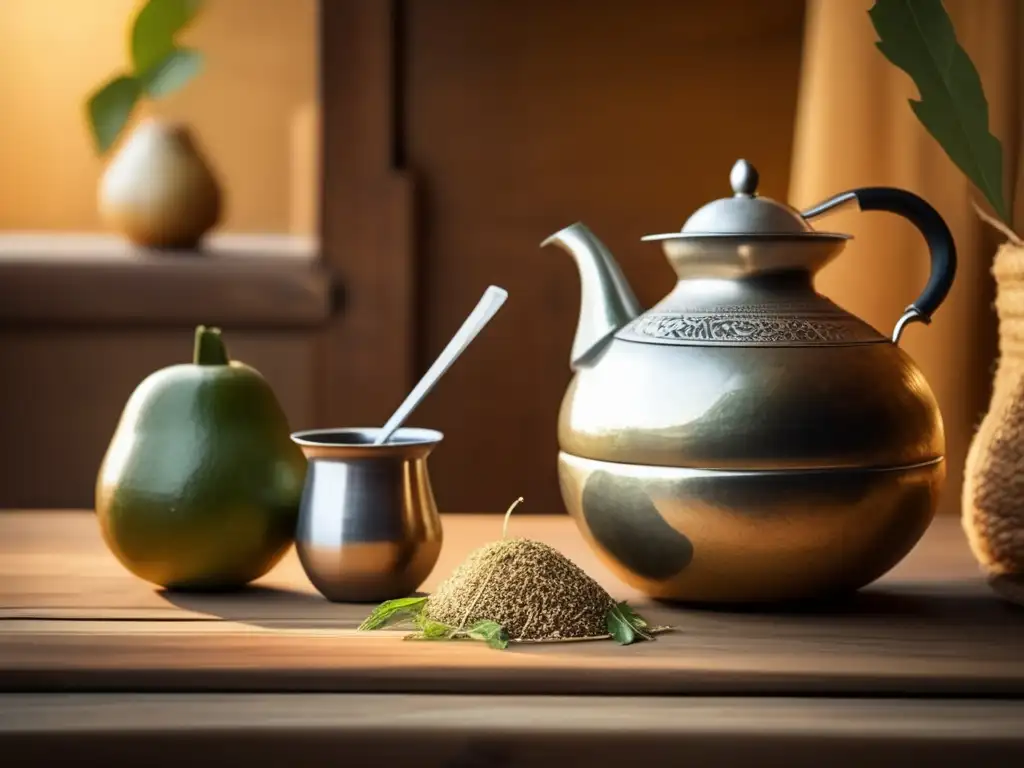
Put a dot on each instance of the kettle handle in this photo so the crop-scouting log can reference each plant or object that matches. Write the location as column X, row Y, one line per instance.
column 942, row 249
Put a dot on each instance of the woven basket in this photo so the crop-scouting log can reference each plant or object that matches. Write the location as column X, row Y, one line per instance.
column 993, row 491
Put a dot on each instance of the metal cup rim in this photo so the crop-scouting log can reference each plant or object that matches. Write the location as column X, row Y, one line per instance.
column 403, row 437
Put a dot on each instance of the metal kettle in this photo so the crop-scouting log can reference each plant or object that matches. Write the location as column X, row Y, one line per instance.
column 746, row 439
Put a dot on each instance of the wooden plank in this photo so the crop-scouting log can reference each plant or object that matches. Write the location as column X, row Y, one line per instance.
column 69, row 248
column 73, row 619
column 57, row 561
column 98, row 280
column 367, row 215
column 54, row 656
column 541, row 732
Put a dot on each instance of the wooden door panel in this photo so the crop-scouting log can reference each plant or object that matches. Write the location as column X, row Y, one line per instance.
column 64, row 396
column 523, row 117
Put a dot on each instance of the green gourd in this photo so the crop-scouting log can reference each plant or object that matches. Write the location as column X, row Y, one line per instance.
column 201, row 484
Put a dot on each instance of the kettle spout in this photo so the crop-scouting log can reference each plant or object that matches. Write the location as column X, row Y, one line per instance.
column 606, row 301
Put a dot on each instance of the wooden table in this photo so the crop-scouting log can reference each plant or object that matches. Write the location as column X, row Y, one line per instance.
column 925, row 665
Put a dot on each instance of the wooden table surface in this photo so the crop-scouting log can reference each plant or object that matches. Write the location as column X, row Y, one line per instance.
column 926, row 655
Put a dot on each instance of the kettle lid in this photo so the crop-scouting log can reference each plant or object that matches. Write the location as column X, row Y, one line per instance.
column 745, row 214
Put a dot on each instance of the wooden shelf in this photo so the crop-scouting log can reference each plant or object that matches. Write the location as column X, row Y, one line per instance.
column 51, row 279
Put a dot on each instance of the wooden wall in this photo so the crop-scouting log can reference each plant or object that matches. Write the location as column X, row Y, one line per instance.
column 521, row 118
column 456, row 136
column 64, row 395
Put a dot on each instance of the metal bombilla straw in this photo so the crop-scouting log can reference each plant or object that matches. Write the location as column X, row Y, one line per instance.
column 485, row 309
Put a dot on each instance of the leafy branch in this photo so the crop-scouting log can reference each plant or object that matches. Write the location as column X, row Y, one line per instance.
column 486, row 631
column 159, row 67
column 918, row 37
column 394, row 612
column 411, row 612
column 625, row 625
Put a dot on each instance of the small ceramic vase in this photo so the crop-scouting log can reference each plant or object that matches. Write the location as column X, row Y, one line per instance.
column 993, row 492
column 159, row 190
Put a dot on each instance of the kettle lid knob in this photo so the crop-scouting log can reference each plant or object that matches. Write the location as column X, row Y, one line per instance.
column 744, row 179
column 745, row 214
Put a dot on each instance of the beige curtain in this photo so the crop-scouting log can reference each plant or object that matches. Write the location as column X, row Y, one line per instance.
column 854, row 128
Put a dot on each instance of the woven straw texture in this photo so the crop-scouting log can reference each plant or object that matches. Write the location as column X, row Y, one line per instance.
column 993, row 493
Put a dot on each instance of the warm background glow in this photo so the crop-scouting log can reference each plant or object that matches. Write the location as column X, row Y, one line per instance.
column 253, row 108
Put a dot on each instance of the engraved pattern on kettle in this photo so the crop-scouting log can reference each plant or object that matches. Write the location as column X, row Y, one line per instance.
column 738, row 326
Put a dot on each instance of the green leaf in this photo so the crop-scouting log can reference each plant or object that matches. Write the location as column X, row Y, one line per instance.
column 918, row 37
column 638, row 622
column 619, row 627
column 110, row 108
column 171, row 72
column 491, row 633
column 393, row 612
column 433, row 630
column 625, row 625
column 153, row 31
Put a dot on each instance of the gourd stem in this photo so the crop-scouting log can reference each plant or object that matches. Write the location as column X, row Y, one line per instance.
column 508, row 514
column 209, row 347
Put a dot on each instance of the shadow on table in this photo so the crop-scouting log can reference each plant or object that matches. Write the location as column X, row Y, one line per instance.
column 272, row 607
column 941, row 617
column 962, row 602
column 938, row 617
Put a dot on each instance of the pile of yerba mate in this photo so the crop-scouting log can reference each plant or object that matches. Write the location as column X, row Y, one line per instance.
column 515, row 590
